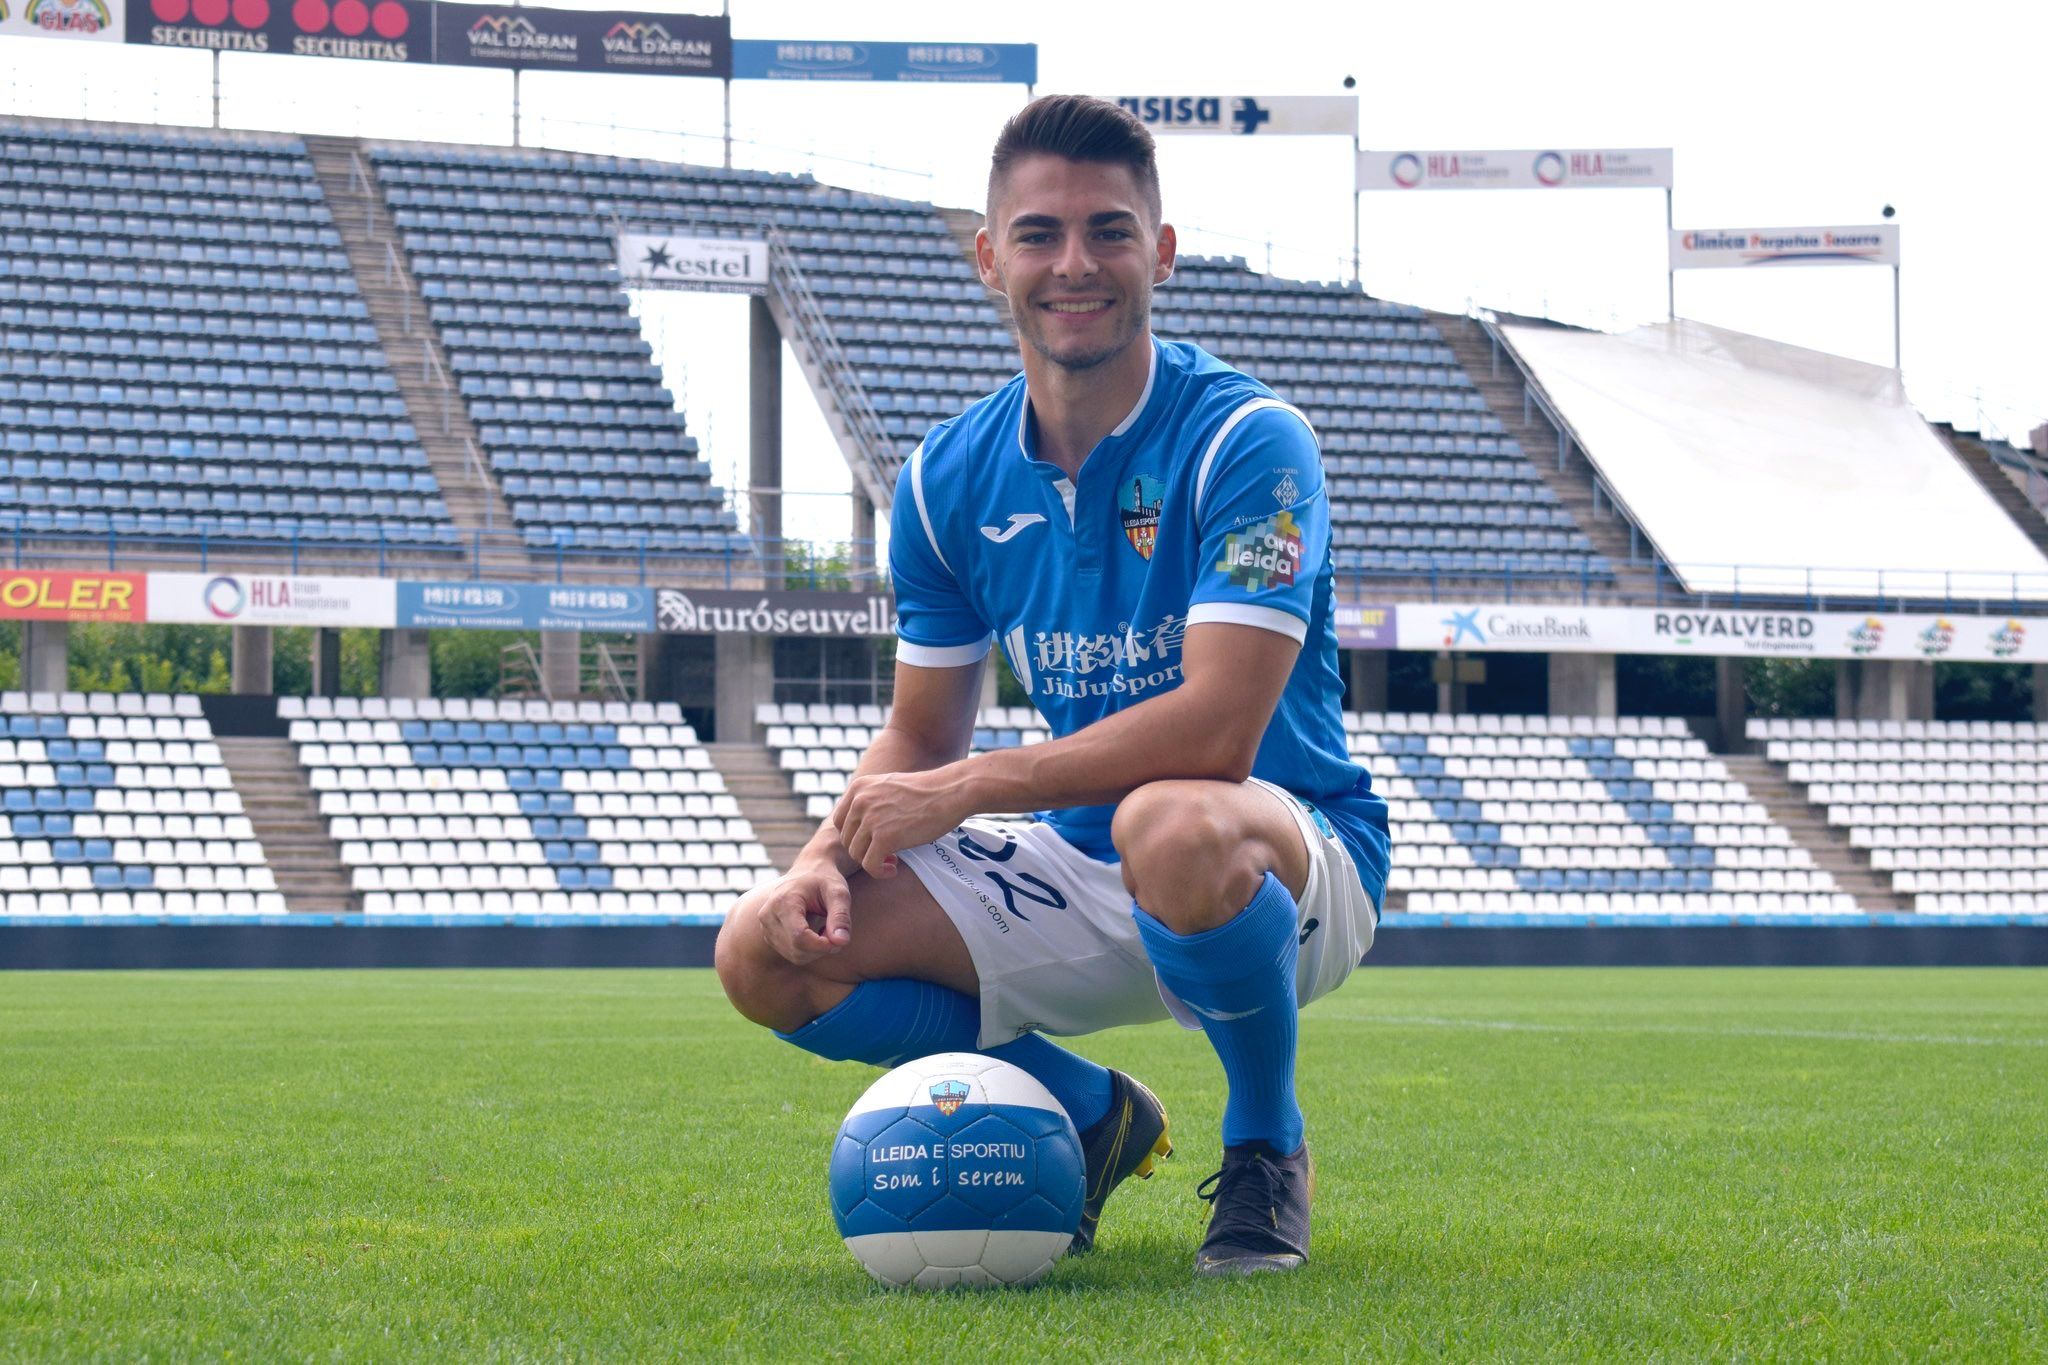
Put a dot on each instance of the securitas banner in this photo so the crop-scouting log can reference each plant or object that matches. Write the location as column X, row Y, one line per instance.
column 1246, row 115
column 1732, row 248
column 368, row 30
column 776, row 59
column 1734, row 632
column 523, row 606
column 1630, row 168
column 617, row 41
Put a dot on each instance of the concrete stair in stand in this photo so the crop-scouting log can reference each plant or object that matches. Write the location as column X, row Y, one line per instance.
column 405, row 332
column 766, row 799
column 1808, row 825
column 1996, row 481
column 286, row 817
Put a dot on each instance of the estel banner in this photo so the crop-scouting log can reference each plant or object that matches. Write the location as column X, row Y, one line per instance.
column 726, row 612
column 622, row 42
column 272, row 600
column 1581, row 169
column 1246, row 115
column 523, row 606
column 1731, row 248
column 776, row 59
column 722, row 265
column 1735, row 632
column 103, row 21
column 37, row 595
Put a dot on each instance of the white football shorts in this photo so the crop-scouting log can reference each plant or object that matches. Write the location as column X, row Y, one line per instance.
column 1052, row 937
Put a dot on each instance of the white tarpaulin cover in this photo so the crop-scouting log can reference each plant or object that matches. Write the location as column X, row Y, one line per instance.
column 1755, row 465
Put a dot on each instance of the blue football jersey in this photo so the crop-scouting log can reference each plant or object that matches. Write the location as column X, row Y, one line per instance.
column 1206, row 503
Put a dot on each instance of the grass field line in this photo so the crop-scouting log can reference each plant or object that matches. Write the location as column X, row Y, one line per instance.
column 1685, row 1030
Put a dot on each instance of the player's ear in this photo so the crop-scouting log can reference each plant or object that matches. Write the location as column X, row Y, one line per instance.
column 1169, row 248
column 985, row 260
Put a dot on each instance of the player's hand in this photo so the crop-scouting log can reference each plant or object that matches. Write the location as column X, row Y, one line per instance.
column 885, row 813
column 805, row 915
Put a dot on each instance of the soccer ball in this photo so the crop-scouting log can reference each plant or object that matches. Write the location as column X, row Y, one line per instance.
column 957, row 1169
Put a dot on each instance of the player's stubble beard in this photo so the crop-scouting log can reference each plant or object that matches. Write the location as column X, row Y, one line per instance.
column 1135, row 318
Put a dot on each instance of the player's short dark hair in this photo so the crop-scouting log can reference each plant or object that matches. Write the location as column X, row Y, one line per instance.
column 1079, row 128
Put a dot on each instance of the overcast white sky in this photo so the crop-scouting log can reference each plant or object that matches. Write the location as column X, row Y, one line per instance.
column 1792, row 114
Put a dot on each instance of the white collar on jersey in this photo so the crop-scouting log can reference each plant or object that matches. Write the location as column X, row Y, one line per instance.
column 1130, row 418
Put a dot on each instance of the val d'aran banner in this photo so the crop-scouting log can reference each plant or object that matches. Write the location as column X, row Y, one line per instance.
column 616, row 41
column 1736, row 632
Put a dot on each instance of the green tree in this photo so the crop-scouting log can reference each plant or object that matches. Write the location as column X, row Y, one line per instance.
column 825, row 566
column 1984, row 691
column 121, row 657
column 1792, row 688
column 470, row 663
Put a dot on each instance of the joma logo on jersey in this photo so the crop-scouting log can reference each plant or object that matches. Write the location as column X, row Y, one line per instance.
column 1265, row 554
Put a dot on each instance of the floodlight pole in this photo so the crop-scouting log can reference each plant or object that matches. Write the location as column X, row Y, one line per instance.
column 216, row 87
column 515, row 107
column 1898, row 354
column 1356, row 195
column 726, row 10
column 1670, row 274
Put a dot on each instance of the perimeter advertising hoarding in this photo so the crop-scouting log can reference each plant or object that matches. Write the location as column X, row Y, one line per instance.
column 776, row 59
column 1365, row 626
column 368, row 30
column 1749, row 631
column 99, row 20
column 1567, row 169
column 39, row 595
column 1732, row 248
column 1246, row 115
column 693, row 611
column 523, row 606
column 622, row 42
column 272, row 600
column 668, row 260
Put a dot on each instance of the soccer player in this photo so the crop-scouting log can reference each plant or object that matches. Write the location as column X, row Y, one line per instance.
column 1144, row 532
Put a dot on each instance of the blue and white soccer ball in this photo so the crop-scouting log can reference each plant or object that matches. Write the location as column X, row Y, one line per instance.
column 957, row 1169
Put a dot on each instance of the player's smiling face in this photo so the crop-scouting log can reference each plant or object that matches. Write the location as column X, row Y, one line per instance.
column 1073, row 246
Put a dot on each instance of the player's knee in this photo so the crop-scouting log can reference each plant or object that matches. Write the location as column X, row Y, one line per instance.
column 762, row 986
column 1183, row 859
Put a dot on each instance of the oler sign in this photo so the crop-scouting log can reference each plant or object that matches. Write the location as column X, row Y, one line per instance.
column 649, row 260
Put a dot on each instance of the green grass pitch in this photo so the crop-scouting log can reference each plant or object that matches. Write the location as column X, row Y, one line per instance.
column 605, row 1165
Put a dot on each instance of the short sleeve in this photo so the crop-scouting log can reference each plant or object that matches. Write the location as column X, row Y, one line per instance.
column 1263, row 519
column 936, row 627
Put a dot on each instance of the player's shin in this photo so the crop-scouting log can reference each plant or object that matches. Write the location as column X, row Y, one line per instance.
column 889, row 1022
column 1239, row 979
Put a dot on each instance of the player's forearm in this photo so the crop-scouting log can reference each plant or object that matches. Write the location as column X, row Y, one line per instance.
column 1175, row 735
column 893, row 751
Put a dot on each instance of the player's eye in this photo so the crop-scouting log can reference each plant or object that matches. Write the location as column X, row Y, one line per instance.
column 1115, row 234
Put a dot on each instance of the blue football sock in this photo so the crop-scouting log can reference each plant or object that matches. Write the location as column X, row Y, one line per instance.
column 887, row 1023
column 1239, row 979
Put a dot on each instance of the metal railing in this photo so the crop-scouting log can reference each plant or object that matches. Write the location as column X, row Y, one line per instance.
column 1787, row 587
column 872, row 449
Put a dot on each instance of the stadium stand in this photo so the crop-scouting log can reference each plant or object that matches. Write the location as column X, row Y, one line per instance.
column 516, row 261
column 1490, row 814
column 1955, row 812
column 524, row 808
column 201, row 365
column 1423, row 476
column 120, row 805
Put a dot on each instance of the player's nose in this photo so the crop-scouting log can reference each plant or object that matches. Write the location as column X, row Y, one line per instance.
column 1075, row 262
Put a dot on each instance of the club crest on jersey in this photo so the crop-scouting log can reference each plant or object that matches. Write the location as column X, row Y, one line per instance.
column 1138, row 507
column 948, row 1096
column 1264, row 554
